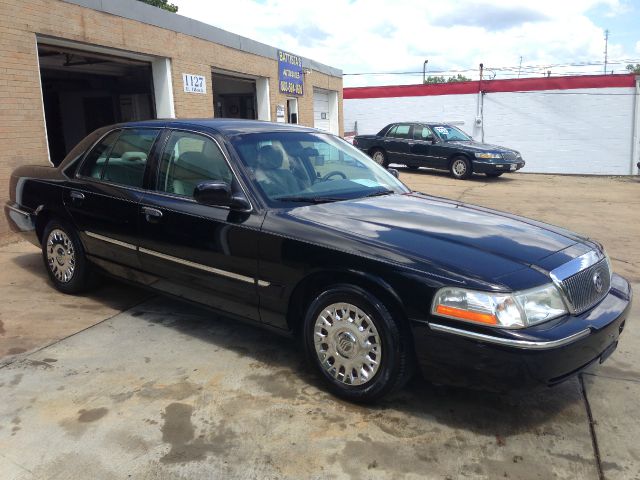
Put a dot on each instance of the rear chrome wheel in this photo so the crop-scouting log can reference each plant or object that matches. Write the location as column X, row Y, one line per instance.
column 61, row 256
column 64, row 258
column 347, row 343
column 380, row 158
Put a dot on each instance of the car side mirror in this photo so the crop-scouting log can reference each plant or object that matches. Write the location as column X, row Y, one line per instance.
column 431, row 139
column 219, row 194
column 393, row 172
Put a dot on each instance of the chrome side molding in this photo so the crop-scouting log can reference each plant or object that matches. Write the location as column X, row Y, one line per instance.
column 171, row 258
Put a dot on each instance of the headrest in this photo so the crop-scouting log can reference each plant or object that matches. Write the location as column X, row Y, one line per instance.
column 310, row 152
column 270, row 158
column 134, row 156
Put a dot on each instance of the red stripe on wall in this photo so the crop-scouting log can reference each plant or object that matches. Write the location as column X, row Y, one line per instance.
column 492, row 86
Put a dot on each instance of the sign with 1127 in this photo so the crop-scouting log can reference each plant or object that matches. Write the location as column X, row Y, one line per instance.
column 290, row 73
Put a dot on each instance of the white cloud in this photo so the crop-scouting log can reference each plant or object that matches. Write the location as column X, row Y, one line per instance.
column 386, row 36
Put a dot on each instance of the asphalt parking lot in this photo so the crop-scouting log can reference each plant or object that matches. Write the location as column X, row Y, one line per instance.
column 123, row 384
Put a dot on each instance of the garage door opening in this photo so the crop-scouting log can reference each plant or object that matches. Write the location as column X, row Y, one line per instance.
column 83, row 91
column 234, row 97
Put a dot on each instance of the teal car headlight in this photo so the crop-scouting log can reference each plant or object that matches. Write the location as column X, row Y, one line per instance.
column 488, row 155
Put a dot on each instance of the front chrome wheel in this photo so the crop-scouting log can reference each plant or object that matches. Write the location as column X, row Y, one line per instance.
column 459, row 168
column 61, row 257
column 347, row 343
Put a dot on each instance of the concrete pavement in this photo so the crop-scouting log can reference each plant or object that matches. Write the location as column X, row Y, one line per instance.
column 165, row 390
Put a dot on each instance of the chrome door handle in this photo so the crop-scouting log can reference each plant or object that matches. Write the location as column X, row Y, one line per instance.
column 77, row 195
column 151, row 214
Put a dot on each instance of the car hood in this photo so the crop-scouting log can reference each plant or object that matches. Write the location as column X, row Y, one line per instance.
column 474, row 146
column 432, row 233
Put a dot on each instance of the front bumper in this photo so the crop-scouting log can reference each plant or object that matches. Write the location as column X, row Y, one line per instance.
column 483, row 166
column 501, row 360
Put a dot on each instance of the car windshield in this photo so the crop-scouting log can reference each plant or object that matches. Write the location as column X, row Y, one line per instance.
column 311, row 167
column 450, row 134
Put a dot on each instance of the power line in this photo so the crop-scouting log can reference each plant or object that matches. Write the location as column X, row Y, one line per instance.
column 504, row 69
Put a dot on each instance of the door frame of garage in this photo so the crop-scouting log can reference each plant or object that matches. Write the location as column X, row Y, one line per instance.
column 160, row 72
column 263, row 100
column 635, row 135
column 334, row 122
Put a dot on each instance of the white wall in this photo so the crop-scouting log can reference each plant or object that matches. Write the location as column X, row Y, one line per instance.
column 586, row 131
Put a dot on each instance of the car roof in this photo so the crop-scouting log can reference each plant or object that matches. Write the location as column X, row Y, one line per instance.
column 225, row 126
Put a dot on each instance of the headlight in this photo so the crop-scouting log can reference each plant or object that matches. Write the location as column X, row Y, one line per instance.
column 488, row 155
column 503, row 310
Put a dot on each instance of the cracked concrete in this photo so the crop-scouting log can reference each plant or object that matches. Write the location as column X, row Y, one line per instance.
column 166, row 390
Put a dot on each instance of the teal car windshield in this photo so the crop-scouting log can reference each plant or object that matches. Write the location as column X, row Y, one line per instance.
column 448, row 133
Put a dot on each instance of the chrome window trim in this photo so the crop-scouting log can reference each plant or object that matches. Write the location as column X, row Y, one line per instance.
column 111, row 240
column 509, row 342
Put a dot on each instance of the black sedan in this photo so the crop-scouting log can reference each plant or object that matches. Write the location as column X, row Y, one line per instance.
column 299, row 232
column 439, row 146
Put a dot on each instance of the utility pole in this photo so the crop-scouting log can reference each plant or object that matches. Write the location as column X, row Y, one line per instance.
column 606, row 46
column 424, row 72
column 520, row 66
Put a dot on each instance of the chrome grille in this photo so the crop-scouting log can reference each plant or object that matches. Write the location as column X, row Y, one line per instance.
column 582, row 289
column 509, row 156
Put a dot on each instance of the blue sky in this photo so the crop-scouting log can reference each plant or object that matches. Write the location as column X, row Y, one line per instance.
column 380, row 36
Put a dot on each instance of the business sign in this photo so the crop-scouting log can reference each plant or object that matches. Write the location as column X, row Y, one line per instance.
column 194, row 83
column 290, row 74
column 280, row 116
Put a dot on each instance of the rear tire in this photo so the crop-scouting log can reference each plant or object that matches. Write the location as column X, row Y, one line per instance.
column 380, row 157
column 64, row 258
column 494, row 174
column 460, row 168
column 356, row 345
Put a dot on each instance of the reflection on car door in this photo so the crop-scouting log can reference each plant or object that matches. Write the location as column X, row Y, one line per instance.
column 421, row 150
column 203, row 253
column 103, row 197
column 396, row 143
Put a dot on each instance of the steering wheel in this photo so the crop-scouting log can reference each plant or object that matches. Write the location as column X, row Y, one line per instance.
column 333, row 173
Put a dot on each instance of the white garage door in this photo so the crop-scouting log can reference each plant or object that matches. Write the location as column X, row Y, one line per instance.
column 321, row 109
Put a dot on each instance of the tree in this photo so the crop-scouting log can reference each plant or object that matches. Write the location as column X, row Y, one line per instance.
column 164, row 4
column 442, row 79
column 634, row 68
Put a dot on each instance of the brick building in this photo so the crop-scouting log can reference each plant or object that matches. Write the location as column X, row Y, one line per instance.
column 68, row 67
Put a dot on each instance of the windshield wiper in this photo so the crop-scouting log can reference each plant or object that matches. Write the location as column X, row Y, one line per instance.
column 294, row 198
column 378, row 193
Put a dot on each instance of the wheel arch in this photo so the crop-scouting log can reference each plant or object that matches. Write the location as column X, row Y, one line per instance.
column 44, row 214
column 374, row 148
column 316, row 282
column 455, row 155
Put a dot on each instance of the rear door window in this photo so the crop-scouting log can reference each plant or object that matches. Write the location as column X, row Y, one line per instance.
column 400, row 131
column 121, row 157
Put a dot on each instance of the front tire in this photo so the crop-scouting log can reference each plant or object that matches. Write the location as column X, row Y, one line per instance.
column 64, row 258
column 460, row 168
column 356, row 345
column 380, row 157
